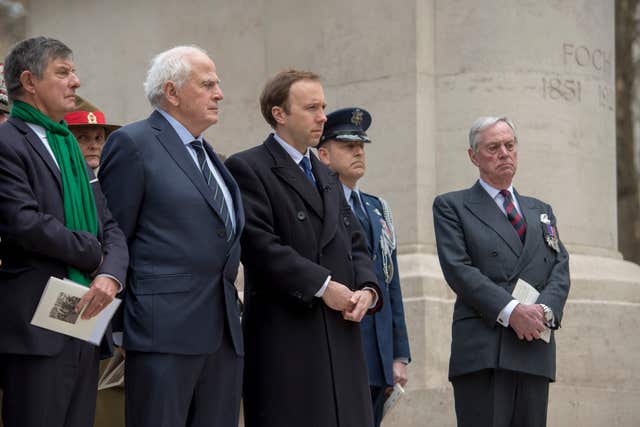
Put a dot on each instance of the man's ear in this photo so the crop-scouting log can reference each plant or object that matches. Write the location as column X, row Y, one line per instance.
column 278, row 114
column 472, row 156
column 27, row 81
column 171, row 93
column 324, row 155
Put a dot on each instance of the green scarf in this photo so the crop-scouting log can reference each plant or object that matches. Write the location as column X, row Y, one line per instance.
column 79, row 204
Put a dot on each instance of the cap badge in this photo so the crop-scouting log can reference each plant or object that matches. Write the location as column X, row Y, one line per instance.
column 356, row 117
column 91, row 119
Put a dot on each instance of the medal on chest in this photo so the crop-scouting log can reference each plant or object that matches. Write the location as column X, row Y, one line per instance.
column 550, row 233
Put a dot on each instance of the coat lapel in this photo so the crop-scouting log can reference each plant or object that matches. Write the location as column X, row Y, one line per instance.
column 531, row 242
column 485, row 209
column 331, row 193
column 374, row 219
column 39, row 148
column 176, row 149
column 291, row 173
column 231, row 186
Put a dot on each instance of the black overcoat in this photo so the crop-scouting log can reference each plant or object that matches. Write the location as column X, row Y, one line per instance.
column 304, row 364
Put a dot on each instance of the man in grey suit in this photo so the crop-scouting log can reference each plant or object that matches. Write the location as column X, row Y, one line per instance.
column 181, row 212
column 488, row 238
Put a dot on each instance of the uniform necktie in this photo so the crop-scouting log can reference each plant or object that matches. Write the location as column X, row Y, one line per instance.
column 364, row 220
column 218, row 197
column 513, row 215
column 305, row 163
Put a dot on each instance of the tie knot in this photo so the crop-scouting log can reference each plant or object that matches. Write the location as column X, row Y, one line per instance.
column 197, row 144
column 306, row 164
column 505, row 194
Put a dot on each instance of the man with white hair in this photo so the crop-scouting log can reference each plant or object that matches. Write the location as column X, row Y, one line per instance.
column 489, row 239
column 181, row 212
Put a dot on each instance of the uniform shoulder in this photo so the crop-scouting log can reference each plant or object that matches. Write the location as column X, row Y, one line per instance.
column 377, row 200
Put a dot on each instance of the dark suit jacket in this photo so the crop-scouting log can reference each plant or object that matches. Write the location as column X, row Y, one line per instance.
column 181, row 275
column 304, row 363
column 384, row 335
column 482, row 258
column 35, row 242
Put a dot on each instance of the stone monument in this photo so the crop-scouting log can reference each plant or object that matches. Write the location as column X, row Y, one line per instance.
column 425, row 70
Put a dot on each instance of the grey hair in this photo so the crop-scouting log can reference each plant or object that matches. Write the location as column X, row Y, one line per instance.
column 170, row 65
column 482, row 123
column 32, row 55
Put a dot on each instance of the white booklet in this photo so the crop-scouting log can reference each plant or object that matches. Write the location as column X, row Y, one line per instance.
column 113, row 375
column 527, row 294
column 393, row 398
column 56, row 311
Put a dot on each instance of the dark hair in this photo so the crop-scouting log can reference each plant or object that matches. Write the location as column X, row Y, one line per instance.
column 32, row 55
column 276, row 91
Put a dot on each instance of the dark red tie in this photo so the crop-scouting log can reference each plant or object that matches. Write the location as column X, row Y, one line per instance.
column 512, row 214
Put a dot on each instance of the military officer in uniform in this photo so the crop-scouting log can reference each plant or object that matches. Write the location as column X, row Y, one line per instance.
column 384, row 335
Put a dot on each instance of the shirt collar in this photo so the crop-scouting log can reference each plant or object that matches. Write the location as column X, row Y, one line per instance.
column 348, row 191
column 493, row 192
column 184, row 135
column 293, row 153
column 39, row 130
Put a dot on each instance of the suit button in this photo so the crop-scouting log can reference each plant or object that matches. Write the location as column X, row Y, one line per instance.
column 375, row 256
column 350, row 257
column 494, row 253
column 301, row 216
column 221, row 233
column 346, row 221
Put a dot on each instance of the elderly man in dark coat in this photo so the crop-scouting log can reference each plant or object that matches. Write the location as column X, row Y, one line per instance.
column 308, row 277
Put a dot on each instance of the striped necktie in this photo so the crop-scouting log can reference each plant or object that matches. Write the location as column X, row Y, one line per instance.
column 513, row 215
column 218, row 197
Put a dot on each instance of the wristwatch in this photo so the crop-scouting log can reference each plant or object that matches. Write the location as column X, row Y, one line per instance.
column 548, row 314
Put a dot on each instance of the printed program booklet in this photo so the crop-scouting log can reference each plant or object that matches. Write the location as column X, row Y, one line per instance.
column 527, row 294
column 393, row 398
column 113, row 375
column 56, row 312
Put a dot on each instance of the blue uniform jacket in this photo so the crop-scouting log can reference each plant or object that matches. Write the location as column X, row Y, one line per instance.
column 384, row 334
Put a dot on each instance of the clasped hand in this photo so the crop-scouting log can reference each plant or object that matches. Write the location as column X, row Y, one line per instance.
column 353, row 305
column 527, row 321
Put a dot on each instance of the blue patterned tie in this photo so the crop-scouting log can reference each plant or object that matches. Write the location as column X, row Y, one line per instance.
column 218, row 196
column 305, row 163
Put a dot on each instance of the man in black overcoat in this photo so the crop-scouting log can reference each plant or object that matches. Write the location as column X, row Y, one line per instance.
column 308, row 277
